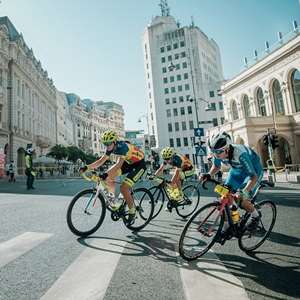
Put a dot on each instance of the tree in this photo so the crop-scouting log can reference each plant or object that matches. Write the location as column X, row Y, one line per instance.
column 74, row 153
column 58, row 152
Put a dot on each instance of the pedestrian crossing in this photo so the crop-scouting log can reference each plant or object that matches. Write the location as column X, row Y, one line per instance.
column 90, row 274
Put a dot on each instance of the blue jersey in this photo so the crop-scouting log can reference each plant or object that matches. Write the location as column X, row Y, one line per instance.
column 243, row 160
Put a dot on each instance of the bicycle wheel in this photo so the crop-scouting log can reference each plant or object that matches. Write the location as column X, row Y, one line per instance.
column 144, row 204
column 251, row 241
column 191, row 198
column 158, row 198
column 85, row 214
column 199, row 233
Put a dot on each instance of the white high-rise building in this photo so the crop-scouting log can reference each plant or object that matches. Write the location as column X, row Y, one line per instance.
column 182, row 65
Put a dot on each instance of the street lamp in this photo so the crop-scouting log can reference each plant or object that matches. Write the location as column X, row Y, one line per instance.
column 147, row 120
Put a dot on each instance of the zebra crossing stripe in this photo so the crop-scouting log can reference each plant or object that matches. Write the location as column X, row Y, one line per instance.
column 89, row 275
column 12, row 249
column 209, row 279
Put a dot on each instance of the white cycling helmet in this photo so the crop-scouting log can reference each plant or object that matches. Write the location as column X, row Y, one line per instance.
column 220, row 141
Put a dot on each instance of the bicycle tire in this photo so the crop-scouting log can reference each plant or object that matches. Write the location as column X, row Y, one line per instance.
column 70, row 222
column 140, row 209
column 180, row 208
column 183, row 247
column 261, row 228
column 158, row 198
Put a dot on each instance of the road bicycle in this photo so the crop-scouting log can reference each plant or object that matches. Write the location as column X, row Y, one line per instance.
column 205, row 227
column 185, row 204
column 87, row 210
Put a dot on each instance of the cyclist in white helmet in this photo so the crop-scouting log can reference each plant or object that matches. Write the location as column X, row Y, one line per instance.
column 245, row 173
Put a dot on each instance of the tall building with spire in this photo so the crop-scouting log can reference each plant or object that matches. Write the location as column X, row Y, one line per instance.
column 183, row 77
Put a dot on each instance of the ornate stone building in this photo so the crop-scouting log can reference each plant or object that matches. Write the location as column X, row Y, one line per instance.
column 266, row 96
column 27, row 98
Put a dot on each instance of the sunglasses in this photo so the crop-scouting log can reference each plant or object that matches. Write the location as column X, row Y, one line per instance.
column 218, row 151
column 108, row 144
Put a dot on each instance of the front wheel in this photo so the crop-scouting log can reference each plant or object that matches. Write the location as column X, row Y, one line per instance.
column 158, row 198
column 191, row 198
column 144, row 204
column 250, row 241
column 200, row 232
column 86, row 213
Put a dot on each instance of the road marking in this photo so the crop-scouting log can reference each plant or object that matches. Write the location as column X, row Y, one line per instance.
column 209, row 279
column 89, row 275
column 12, row 249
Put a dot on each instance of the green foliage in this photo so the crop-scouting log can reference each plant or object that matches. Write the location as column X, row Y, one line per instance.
column 58, row 152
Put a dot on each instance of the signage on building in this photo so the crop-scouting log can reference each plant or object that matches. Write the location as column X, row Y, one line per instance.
column 200, row 151
column 199, row 131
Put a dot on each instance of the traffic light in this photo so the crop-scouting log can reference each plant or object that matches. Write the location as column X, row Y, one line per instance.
column 266, row 140
column 274, row 141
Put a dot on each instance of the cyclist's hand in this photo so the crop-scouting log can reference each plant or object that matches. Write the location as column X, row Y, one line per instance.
column 103, row 176
column 205, row 177
column 83, row 169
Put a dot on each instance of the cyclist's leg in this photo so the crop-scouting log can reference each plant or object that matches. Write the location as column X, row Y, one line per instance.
column 110, row 180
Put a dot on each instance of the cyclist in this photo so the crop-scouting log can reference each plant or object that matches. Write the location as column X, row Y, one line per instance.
column 183, row 167
column 130, row 161
column 245, row 173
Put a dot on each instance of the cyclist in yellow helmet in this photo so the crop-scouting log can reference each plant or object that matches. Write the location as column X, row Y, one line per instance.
column 183, row 166
column 130, row 161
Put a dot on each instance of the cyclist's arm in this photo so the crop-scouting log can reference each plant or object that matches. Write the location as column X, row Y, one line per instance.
column 159, row 170
column 96, row 164
column 249, row 170
column 213, row 170
column 113, row 169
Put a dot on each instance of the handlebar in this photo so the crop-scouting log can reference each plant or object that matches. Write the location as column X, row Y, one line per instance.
column 210, row 180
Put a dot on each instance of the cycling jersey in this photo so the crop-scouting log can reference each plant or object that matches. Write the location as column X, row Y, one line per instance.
column 131, row 153
column 181, row 162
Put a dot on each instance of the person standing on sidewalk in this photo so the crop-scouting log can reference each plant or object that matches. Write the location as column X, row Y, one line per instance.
column 29, row 168
column 11, row 172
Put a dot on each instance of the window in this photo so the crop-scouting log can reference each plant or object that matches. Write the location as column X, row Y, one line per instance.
column 183, row 54
column 295, row 83
column 168, row 113
column 1, row 113
column 191, row 124
column 167, row 100
column 169, row 48
column 182, row 110
column 175, row 46
column 166, row 90
column 246, row 106
column 187, row 87
column 221, row 107
column 213, row 106
column 171, row 142
column 170, row 58
column 180, row 88
column 178, row 77
column 176, row 56
column 185, row 141
column 278, row 99
column 235, row 114
column 222, row 120
column 189, row 108
column 173, row 90
column 178, row 142
column 181, row 99
column 169, row 127
column 164, row 70
column 176, row 126
column 184, row 65
column 188, row 97
column 163, row 59
column 215, row 122
column 182, row 44
column 165, row 80
column 172, row 79
column 174, row 100
column 162, row 49
column 260, row 102
column 183, row 125
column 175, row 112
column 185, row 75
column 178, row 67
column 211, row 94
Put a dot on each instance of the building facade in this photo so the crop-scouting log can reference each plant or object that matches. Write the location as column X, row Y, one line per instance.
column 183, row 75
column 266, row 96
column 27, row 98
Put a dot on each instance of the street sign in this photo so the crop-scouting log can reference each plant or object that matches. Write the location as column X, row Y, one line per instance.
column 200, row 151
column 198, row 131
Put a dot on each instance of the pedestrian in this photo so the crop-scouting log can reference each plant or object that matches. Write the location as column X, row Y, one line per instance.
column 29, row 172
column 11, row 171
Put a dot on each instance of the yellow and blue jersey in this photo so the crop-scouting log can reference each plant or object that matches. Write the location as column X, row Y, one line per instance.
column 181, row 162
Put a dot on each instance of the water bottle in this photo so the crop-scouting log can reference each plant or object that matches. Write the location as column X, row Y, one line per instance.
column 235, row 214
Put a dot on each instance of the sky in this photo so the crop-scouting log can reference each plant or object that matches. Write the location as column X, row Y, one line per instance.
column 93, row 48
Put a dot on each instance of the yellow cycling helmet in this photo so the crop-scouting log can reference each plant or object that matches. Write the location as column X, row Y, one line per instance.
column 167, row 153
column 108, row 137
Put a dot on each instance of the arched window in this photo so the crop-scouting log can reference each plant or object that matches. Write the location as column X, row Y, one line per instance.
column 235, row 114
column 246, row 106
column 261, row 102
column 278, row 99
column 295, row 83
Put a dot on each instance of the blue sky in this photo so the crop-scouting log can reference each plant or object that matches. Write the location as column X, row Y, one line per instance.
column 94, row 48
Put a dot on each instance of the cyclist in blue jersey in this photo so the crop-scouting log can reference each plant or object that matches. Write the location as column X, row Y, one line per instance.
column 245, row 173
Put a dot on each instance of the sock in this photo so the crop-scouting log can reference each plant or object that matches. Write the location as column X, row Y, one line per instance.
column 255, row 214
column 131, row 210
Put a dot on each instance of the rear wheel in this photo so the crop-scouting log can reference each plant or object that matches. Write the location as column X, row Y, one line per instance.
column 200, row 232
column 250, row 241
column 86, row 213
